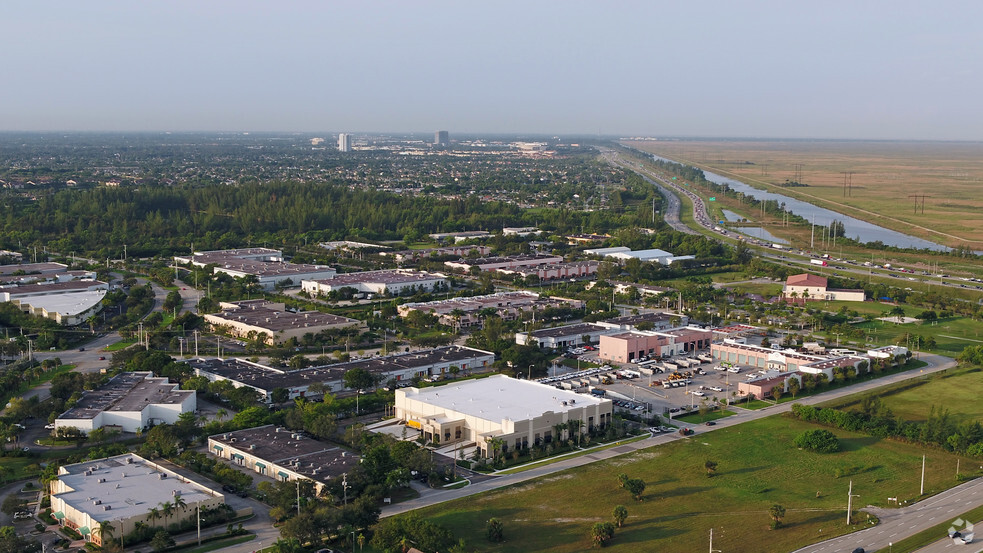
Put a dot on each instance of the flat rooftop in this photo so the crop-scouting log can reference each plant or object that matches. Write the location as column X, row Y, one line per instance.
column 500, row 397
column 569, row 330
column 267, row 378
column 317, row 460
column 508, row 259
column 128, row 485
column 380, row 277
column 127, row 392
column 476, row 303
column 261, row 315
column 33, row 268
column 270, row 268
column 66, row 304
column 68, row 286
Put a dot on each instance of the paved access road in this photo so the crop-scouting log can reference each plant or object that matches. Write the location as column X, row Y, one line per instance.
column 946, row 545
column 935, row 363
column 897, row 524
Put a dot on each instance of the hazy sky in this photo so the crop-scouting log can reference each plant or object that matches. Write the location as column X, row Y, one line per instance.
column 851, row 69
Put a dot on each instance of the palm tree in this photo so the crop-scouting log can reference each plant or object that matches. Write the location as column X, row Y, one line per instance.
column 777, row 513
column 153, row 514
column 180, row 502
column 105, row 532
column 221, row 413
column 166, row 510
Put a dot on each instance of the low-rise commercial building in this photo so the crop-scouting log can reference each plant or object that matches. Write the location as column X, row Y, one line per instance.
column 461, row 313
column 120, row 491
column 455, row 251
column 67, row 302
column 131, row 401
column 520, row 231
column 271, row 323
column 508, row 262
column 734, row 352
column 283, row 455
column 555, row 271
column 377, row 282
column 498, row 413
column 622, row 253
column 401, row 368
column 460, row 236
column 629, row 346
column 808, row 287
column 267, row 265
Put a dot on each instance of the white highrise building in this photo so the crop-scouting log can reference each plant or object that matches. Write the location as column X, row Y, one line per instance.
column 344, row 142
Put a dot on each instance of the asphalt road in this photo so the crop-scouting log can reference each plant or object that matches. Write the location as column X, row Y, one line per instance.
column 897, row 524
column 947, row 545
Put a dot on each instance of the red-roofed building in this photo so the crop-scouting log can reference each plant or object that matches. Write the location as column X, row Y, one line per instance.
column 804, row 287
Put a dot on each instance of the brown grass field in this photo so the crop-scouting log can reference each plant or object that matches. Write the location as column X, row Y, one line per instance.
column 885, row 175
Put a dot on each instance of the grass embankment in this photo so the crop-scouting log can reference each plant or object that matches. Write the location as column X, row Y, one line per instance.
column 758, row 467
column 695, row 418
column 122, row 344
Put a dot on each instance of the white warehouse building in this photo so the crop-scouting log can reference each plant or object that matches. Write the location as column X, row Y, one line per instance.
column 130, row 401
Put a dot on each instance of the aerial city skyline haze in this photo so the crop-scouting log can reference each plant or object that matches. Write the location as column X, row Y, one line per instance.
column 877, row 70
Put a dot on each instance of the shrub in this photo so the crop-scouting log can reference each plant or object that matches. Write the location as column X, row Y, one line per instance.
column 819, row 440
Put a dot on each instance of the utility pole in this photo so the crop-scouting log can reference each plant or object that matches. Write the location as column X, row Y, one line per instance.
column 849, row 503
column 198, row 509
column 196, row 343
column 298, row 496
column 712, row 550
column 922, row 492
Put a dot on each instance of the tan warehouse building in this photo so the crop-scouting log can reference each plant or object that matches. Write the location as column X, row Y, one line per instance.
column 121, row 490
column 497, row 410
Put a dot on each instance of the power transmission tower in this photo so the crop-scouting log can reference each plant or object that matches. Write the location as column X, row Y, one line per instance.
column 847, row 182
column 916, row 197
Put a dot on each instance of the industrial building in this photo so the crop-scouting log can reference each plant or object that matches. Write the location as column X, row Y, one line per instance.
column 283, row 455
column 465, row 312
column 573, row 335
column 121, row 490
column 497, row 412
column 130, row 401
column 271, row 323
column 402, row 367
column 507, row 262
column 394, row 282
column 67, row 302
column 267, row 265
column 629, row 346
column 456, row 251
column 555, row 271
column 622, row 253
column 460, row 236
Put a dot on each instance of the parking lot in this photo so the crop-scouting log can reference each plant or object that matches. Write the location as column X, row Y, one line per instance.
column 654, row 386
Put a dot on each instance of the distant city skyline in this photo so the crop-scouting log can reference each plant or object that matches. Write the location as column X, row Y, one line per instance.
column 768, row 69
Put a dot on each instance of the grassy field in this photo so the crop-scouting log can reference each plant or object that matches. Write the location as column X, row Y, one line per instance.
column 958, row 391
column 122, row 344
column 758, row 467
column 951, row 335
column 885, row 174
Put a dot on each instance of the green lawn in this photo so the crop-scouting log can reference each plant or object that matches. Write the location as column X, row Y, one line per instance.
column 122, row 344
column 710, row 416
column 957, row 391
column 951, row 335
column 758, row 467
column 760, row 288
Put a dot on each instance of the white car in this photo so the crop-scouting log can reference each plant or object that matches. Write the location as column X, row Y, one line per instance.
column 698, row 393
column 716, row 388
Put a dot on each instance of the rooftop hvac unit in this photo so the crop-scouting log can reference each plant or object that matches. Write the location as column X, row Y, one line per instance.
column 97, row 502
column 252, row 446
column 101, row 480
column 107, row 507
